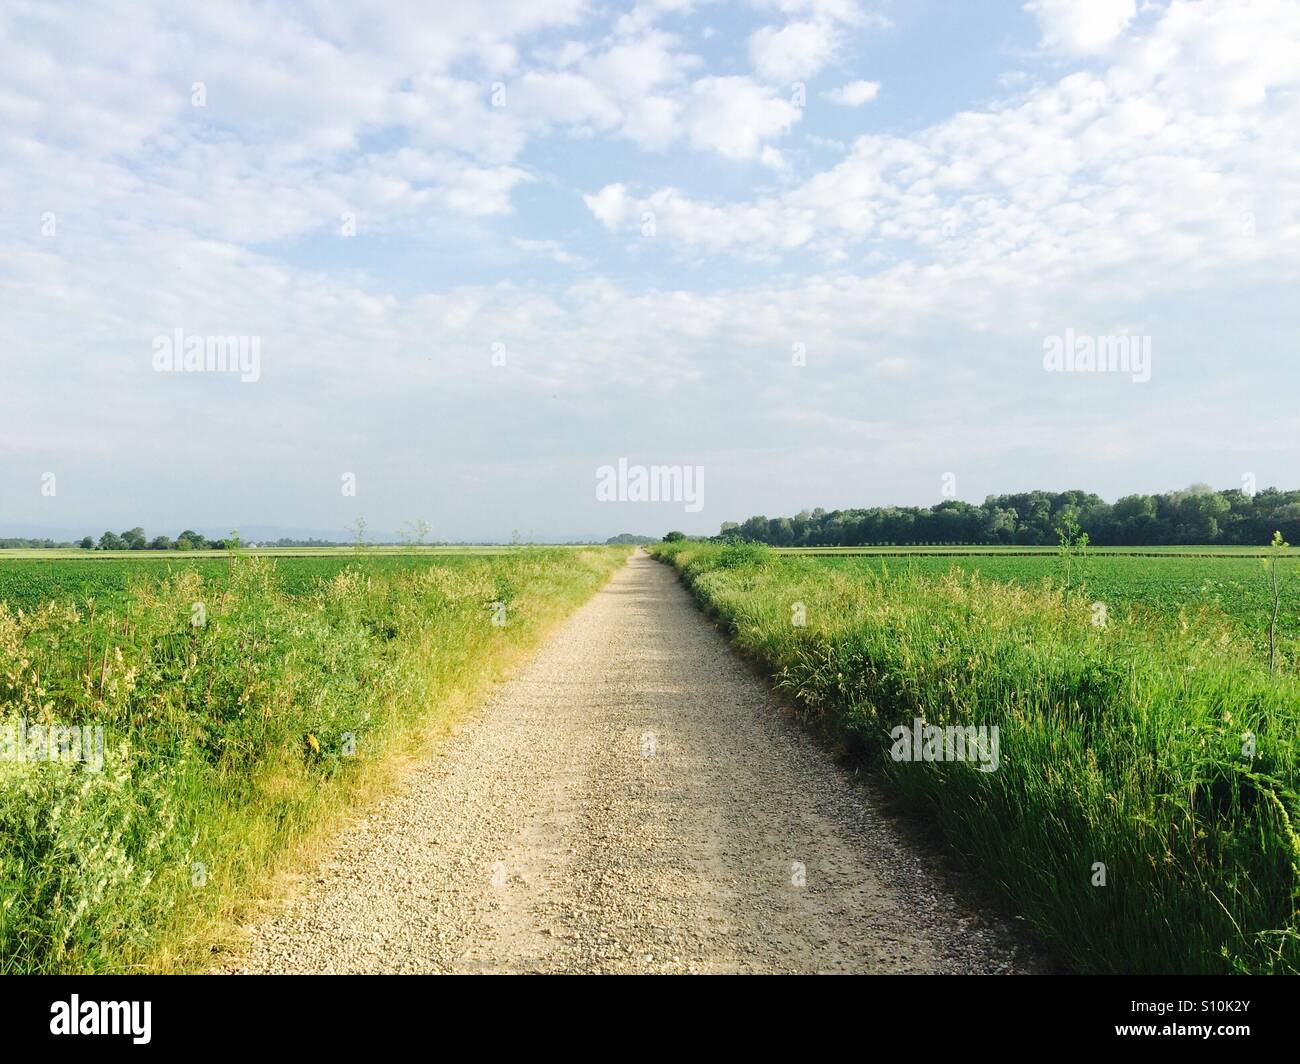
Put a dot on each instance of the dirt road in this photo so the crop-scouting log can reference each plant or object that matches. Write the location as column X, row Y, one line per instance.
column 635, row 801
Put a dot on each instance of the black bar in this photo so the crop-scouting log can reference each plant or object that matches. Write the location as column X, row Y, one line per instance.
column 547, row 1013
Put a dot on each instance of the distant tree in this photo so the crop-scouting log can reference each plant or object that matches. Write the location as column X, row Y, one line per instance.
column 780, row 531
column 1133, row 520
column 195, row 541
column 1288, row 517
column 87, row 544
column 998, row 526
column 111, row 541
column 756, row 528
column 414, row 533
column 161, row 543
column 1197, row 514
column 134, row 539
column 673, row 537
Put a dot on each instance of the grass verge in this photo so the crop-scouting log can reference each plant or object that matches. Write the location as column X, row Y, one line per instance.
column 1143, row 812
column 238, row 721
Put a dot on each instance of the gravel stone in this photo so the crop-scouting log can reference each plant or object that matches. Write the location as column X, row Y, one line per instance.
column 636, row 800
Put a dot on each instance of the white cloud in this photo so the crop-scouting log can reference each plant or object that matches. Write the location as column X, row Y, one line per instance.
column 847, row 11
column 635, row 87
column 551, row 249
column 647, row 12
column 1161, row 153
column 854, row 94
column 815, row 36
column 633, row 68
column 759, row 230
column 653, row 122
column 1153, row 190
column 609, row 205
column 734, row 116
column 562, row 98
column 795, row 52
column 1081, row 27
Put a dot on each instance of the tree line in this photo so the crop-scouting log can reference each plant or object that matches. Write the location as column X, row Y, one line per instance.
column 135, row 539
column 1195, row 515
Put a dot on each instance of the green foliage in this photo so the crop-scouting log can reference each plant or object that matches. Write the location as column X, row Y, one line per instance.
column 1277, row 551
column 1197, row 515
column 742, row 553
column 1179, row 589
column 1157, row 745
column 27, row 582
column 226, row 728
column 1072, row 550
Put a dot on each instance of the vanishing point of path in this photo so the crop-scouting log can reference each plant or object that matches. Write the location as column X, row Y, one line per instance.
column 634, row 801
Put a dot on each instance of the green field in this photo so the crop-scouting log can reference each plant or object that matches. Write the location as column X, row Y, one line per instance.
column 1168, row 579
column 28, row 578
column 241, row 704
column 1170, row 584
column 1120, row 744
column 951, row 550
column 260, row 552
column 1155, row 750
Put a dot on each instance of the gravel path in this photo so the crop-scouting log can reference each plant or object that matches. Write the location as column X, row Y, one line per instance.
column 635, row 801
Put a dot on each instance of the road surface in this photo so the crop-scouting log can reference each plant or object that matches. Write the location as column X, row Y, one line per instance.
column 634, row 801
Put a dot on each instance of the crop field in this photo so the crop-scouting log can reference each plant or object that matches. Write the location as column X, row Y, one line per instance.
column 1169, row 584
column 957, row 550
column 198, row 719
column 28, row 578
column 1141, row 809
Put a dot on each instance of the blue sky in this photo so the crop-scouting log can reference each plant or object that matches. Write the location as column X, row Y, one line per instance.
column 919, row 194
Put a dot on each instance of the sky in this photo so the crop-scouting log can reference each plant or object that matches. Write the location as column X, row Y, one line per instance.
column 811, row 252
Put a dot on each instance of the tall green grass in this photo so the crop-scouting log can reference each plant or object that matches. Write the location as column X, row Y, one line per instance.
column 1162, row 750
column 228, row 743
